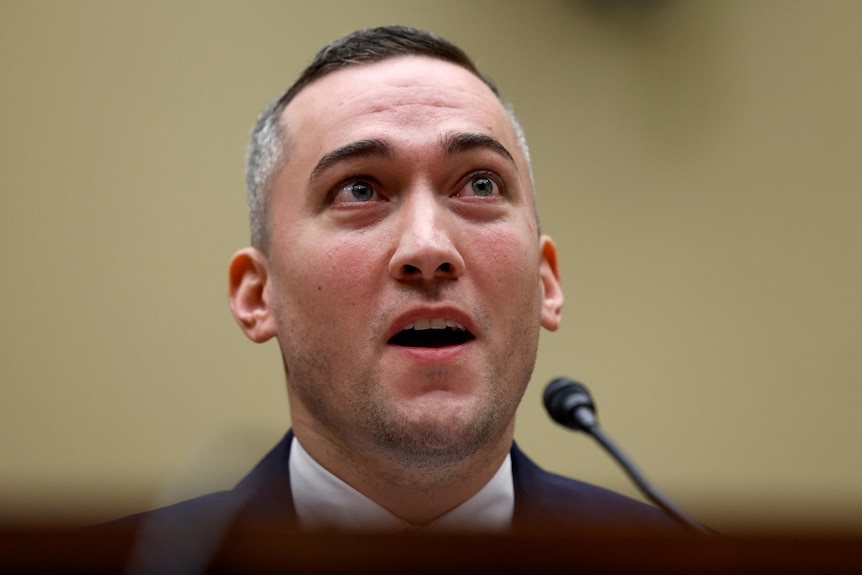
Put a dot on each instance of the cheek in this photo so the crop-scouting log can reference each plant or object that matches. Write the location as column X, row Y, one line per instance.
column 323, row 304
column 335, row 275
column 509, row 258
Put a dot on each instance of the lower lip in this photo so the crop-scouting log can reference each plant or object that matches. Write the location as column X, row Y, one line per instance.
column 433, row 355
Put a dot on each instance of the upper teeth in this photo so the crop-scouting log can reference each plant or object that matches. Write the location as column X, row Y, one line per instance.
column 436, row 323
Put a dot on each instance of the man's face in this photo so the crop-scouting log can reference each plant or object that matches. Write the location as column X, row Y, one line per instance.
column 406, row 204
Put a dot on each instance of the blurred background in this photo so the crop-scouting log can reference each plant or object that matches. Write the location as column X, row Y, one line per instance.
column 698, row 164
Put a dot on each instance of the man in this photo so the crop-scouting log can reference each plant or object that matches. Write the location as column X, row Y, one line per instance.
column 398, row 261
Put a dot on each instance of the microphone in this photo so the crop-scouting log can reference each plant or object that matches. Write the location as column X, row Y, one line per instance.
column 569, row 404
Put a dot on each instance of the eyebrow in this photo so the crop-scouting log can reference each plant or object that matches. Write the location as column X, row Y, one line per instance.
column 451, row 144
column 360, row 149
column 459, row 142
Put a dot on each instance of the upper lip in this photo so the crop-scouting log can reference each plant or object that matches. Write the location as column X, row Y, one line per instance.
column 430, row 312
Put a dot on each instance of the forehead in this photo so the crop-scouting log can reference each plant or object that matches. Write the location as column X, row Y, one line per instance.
column 406, row 99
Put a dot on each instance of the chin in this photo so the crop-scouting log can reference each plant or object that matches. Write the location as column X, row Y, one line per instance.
column 438, row 436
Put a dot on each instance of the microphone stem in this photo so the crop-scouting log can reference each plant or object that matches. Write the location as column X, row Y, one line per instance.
column 646, row 488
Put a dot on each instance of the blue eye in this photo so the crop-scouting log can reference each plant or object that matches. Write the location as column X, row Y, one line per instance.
column 361, row 191
column 482, row 187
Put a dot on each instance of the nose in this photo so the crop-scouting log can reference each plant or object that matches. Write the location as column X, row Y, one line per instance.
column 425, row 250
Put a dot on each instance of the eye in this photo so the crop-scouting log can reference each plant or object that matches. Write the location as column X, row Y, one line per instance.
column 361, row 191
column 356, row 191
column 480, row 186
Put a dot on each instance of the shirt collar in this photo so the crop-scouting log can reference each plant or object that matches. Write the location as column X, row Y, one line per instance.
column 323, row 501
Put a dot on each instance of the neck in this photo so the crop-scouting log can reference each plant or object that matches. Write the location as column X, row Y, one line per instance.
column 418, row 493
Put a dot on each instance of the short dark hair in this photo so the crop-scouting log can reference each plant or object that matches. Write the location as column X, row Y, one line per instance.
column 267, row 148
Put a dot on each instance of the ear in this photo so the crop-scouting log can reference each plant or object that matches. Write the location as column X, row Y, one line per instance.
column 552, row 290
column 249, row 293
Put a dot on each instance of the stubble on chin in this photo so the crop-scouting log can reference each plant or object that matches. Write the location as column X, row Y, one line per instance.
column 435, row 439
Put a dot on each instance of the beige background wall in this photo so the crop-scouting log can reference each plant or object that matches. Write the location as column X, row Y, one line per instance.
column 698, row 163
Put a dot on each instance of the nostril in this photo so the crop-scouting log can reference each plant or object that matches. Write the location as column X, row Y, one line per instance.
column 445, row 269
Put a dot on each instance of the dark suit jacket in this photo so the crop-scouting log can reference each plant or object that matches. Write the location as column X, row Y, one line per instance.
column 173, row 538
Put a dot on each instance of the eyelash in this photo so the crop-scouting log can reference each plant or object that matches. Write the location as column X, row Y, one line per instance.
column 495, row 179
column 344, row 184
column 467, row 180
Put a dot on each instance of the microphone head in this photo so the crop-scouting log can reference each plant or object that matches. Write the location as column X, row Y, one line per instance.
column 564, row 397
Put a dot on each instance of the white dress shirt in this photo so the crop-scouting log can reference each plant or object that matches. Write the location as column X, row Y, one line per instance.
column 323, row 501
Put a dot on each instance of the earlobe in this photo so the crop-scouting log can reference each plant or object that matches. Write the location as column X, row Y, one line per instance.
column 248, row 292
column 552, row 290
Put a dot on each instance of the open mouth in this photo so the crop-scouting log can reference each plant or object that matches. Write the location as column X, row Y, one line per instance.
column 431, row 333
